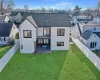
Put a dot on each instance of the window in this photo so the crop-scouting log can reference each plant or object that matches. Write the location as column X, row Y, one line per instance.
column 27, row 34
column 93, row 44
column 46, row 41
column 40, row 41
column 4, row 39
column 43, row 41
column 60, row 43
column 46, row 31
column 60, row 32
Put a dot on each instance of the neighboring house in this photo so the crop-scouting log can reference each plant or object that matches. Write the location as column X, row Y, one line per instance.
column 7, row 33
column 82, row 27
column 92, row 26
column 91, row 39
column 46, row 30
column 6, row 19
column 96, row 19
column 82, row 19
column 16, row 17
column 1, row 19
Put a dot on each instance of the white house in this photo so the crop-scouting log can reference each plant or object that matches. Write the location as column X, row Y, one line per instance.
column 45, row 30
column 82, row 27
column 82, row 19
column 92, row 26
column 91, row 39
column 96, row 19
column 16, row 17
column 6, row 19
column 7, row 33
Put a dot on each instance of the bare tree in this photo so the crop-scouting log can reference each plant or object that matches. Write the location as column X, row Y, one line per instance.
column 5, row 4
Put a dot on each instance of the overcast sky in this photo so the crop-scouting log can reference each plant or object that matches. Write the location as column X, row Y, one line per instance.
column 55, row 3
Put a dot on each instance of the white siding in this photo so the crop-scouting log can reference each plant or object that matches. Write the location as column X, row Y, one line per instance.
column 75, row 31
column 13, row 32
column 6, row 19
column 2, row 42
column 28, row 43
column 40, row 31
column 55, row 38
column 12, row 36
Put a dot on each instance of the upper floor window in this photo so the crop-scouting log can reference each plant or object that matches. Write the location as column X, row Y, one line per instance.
column 60, row 32
column 27, row 34
column 46, row 31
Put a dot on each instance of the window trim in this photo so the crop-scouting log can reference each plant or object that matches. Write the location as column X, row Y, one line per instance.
column 60, row 43
column 27, row 31
column 60, row 32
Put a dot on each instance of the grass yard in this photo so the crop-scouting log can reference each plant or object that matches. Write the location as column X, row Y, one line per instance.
column 3, row 50
column 60, row 65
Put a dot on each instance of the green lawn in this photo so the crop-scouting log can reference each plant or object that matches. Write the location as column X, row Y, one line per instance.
column 3, row 50
column 60, row 65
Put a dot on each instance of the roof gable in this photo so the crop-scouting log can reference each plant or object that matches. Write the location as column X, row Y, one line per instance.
column 86, row 35
column 31, row 20
column 18, row 15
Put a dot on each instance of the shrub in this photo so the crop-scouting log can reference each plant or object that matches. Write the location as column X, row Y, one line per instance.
column 17, row 36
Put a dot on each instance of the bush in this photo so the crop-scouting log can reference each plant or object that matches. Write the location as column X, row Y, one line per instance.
column 17, row 36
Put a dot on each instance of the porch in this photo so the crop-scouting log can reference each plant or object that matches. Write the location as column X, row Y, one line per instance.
column 43, row 49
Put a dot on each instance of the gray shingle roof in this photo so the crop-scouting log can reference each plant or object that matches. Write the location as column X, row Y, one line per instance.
column 86, row 35
column 50, row 19
column 97, row 33
column 5, row 29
